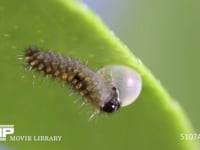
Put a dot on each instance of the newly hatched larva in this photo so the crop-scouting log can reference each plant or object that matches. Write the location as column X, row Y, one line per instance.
column 99, row 88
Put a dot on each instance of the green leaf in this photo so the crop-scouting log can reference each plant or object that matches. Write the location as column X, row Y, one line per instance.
column 39, row 106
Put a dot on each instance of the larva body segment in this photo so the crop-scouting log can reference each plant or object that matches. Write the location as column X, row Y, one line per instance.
column 97, row 89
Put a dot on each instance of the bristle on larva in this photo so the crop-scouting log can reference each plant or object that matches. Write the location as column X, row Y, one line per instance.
column 97, row 89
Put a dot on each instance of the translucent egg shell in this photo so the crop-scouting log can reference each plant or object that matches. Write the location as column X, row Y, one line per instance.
column 127, row 81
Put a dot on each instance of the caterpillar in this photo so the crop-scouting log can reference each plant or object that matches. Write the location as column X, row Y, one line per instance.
column 98, row 89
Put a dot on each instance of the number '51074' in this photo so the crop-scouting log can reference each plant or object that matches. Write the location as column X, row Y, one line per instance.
column 190, row 136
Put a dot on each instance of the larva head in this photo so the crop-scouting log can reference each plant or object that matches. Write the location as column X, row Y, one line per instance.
column 113, row 103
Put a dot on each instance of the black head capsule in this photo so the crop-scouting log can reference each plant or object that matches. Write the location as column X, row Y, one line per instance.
column 113, row 104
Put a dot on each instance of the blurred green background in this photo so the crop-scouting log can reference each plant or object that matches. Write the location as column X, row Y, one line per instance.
column 165, row 35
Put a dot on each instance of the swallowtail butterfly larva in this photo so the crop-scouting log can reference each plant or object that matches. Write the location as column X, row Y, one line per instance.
column 108, row 89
